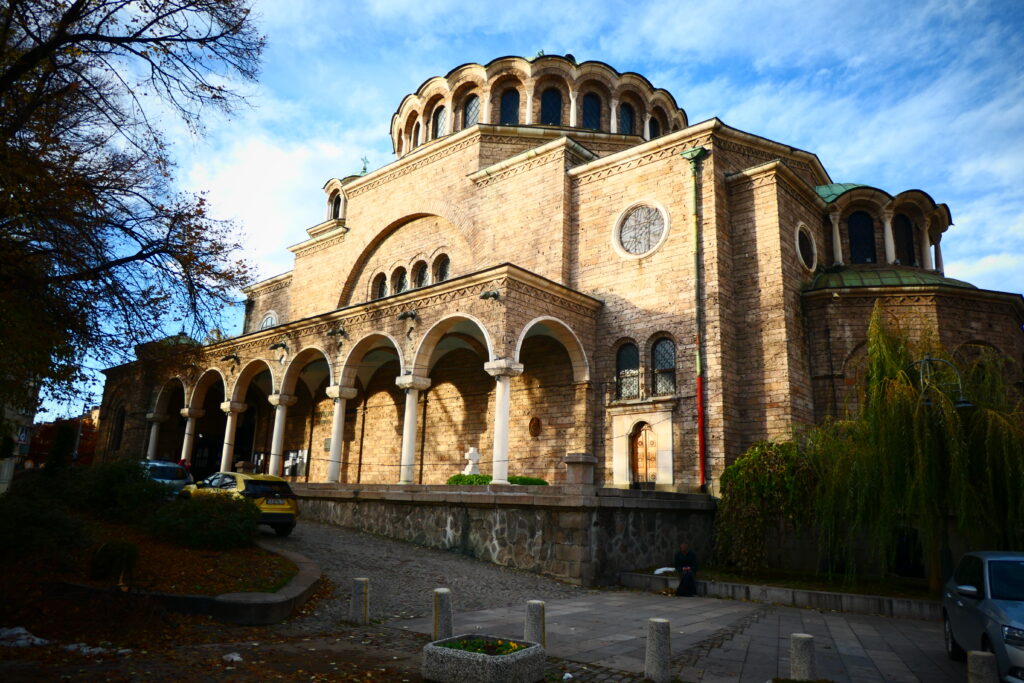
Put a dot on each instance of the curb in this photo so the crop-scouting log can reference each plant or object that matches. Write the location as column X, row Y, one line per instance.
column 901, row 608
column 260, row 609
column 245, row 609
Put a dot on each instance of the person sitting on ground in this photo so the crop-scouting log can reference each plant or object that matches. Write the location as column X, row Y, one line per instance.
column 686, row 566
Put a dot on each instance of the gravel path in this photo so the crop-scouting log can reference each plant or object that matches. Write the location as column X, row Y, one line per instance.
column 403, row 577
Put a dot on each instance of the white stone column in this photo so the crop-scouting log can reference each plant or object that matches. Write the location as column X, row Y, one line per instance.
column 890, row 248
column 502, row 371
column 192, row 414
column 449, row 121
column 413, row 385
column 572, row 108
column 340, row 395
column 837, row 241
column 154, row 434
column 528, row 119
column 613, row 117
column 227, row 455
column 281, row 403
column 938, row 258
column 647, row 126
column 926, row 246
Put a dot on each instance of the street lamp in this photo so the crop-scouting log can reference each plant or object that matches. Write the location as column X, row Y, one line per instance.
column 925, row 370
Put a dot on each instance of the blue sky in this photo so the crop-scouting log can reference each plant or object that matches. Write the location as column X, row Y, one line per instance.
column 900, row 95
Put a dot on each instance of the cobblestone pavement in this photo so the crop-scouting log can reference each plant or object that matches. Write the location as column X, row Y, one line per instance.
column 597, row 635
column 403, row 577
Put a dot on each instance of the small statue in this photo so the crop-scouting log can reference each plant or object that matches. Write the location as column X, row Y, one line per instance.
column 473, row 456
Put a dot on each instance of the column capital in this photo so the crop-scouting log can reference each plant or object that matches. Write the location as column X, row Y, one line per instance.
column 233, row 407
column 416, row 382
column 282, row 400
column 338, row 391
column 192, row 412
column 503, row 367
column 156, row 417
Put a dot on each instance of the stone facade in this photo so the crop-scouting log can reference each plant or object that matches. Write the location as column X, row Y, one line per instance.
column 558, row 262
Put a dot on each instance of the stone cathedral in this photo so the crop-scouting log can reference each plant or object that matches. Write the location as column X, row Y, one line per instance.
column 562, row 271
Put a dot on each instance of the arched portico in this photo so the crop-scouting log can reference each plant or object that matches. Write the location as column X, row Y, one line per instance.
column 307, row 408
column 166, row 424
column 373, row 428
column 205, row 427
column 249, row 413
column 551, row 398
column 452, row 357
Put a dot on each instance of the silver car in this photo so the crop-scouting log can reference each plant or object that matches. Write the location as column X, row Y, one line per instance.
column 983, row 609
column 172, row 475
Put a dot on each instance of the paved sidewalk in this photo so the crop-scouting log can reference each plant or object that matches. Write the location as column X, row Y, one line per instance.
column 723, row 640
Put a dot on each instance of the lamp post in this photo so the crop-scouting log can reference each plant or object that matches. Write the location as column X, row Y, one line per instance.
column 925, row 372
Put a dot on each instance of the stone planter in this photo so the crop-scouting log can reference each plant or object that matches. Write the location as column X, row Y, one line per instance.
column 448, row 665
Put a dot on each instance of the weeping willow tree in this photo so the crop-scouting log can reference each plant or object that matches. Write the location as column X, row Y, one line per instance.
column 934, row 446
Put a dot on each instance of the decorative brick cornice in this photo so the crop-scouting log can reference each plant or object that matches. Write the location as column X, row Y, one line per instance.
column 313, row 246
column 268, row 286
column 411, row 165
column 658, row 154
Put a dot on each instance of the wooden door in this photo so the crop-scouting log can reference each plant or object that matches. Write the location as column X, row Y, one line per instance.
column 643, row 456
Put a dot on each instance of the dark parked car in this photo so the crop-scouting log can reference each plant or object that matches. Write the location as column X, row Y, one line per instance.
column 983, row 609
column 172, row 475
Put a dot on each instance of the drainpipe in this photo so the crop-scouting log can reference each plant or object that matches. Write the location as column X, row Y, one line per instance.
column 694, row 156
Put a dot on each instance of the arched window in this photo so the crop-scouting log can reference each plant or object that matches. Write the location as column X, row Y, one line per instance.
column 399, row 281
column 551, row 107
column 655, row 128
column 380, row 286
column 440, row 115
column 441, row 266
column 471, row 111
column 116, row 429
column 860, row 228
column 663, row 360
column 419, row 275
column 336, row 207
column 903, row 235
column 510, row 107
column 627, row 119
column 269, row 320
column 415, row 142
column 627, row 372
column 592, row 111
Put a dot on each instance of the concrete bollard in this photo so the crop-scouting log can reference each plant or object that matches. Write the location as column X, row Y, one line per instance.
column 535, row 630
column 982, row 667
column 801, row 657
column 659, row 651
column 442, row 613
column 359, row 608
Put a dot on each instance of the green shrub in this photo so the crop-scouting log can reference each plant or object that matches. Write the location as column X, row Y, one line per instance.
column 35, row 527
column 212, row 522
column 114, row 561
column 527, row 481
column 119, row 491
column 484, row 479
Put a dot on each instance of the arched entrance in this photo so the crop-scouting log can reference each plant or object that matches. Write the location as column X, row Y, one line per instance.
column 309, row 420
column 251, row 444
column 209, row 437
column 373, row 431
column 643, row 457
column 455, row 411
column 171, row 427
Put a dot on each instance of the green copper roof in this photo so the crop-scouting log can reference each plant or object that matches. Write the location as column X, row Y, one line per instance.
column 884, row 277
column 831, row 192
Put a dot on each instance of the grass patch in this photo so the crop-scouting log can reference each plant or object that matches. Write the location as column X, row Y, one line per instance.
column 485, row 646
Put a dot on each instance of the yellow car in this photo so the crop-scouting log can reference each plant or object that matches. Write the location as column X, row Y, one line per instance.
column 278, row 506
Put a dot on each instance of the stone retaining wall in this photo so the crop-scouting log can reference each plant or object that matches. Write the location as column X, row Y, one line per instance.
column 577, row 533
column 904, row 608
